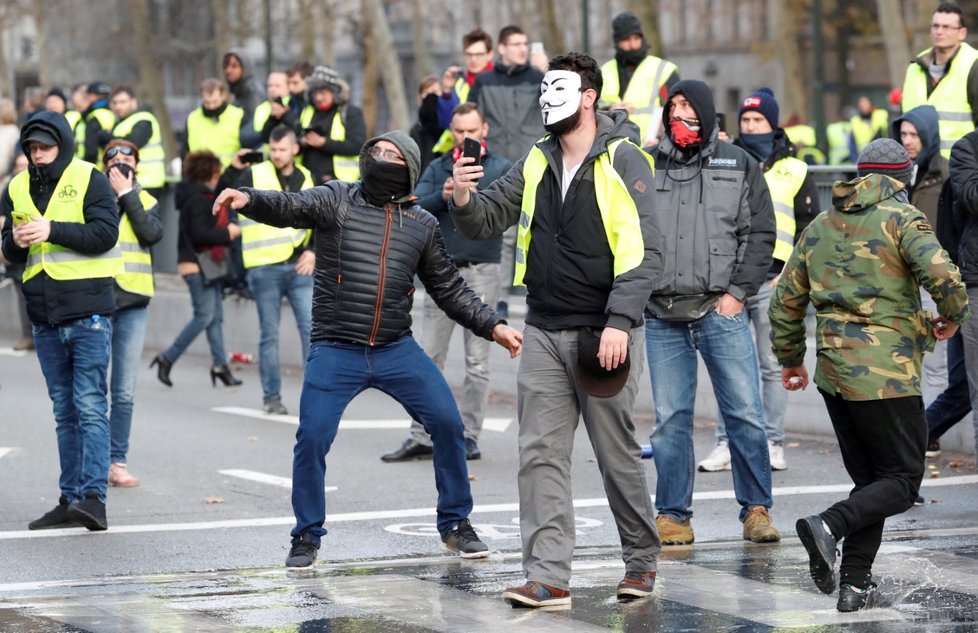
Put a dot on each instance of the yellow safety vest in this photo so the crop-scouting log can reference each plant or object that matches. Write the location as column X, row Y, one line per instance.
column 619, row 215
column 949, row 98
column 447, row 141
column 137, row 260
column 262, row 244
column 863, row 132
column 345, row 168
column 643, row 89
column 106, row 119
column 221, row 135
column 67, row 204
column 784, row 180
column 73, row 117
column 837, row 135
column 151, row 170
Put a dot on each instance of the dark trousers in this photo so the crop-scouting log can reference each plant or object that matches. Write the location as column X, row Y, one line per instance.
column 882, row 444
column 954, row 403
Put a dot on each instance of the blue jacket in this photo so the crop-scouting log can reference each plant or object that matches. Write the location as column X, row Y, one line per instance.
column 428, row 191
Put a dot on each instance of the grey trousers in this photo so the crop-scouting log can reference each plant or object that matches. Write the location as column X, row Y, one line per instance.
column 969, row 334
column 550, row 405
column 436, row 333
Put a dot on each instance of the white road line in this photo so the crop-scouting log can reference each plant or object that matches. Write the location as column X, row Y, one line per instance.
column 379, row 515
column 264, row 478
column 4, row 451
column 498, row 425
column 9, row 351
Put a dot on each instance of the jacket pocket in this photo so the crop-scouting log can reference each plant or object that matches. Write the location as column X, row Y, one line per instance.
column 723, row 257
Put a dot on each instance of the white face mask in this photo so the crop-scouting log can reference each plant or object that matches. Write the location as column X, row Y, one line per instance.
column 560, row 95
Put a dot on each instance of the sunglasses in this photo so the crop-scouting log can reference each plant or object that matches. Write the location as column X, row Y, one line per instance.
column 118, row 149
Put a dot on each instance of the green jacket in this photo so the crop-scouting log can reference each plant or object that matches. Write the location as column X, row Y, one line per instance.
column 861, row 264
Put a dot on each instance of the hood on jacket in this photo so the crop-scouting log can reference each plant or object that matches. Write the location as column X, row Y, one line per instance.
column 700, row 97
column 924, row 118
column 611, row 125
column 246, row 65
column 408, row 148
column 861, row 193
column 56, row 125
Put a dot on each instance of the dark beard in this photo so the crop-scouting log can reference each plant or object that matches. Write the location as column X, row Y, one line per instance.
column 565, row 126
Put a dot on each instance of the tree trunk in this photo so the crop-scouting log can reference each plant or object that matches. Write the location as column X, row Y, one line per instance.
column 785, row 22
column 222, row 30
column 553, row 35
column 894, row 32
column 393, row 76
column 371, row 77
column 151, row 81
column 41, row 46
column 648, row 13
column 307, row 30
column 422, row 58
column 328, row 50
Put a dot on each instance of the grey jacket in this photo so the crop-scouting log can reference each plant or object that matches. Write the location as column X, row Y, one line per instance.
column 716, row 213
column 509, row 98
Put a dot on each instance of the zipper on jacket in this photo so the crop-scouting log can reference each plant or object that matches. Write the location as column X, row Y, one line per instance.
column 382, row 276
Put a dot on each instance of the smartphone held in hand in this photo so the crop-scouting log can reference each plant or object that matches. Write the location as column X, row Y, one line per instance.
column 473, row 149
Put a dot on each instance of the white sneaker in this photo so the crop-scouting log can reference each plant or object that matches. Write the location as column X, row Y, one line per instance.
column 717, row 460
column 777, row 456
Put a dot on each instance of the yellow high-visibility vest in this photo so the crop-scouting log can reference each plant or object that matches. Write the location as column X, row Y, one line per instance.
column 345, row 168
column 262, row 244
column 73, row 117
column 67, row 204
column 784, row 180
column 837, row 134
column 949, row 98
column 137, row 277
column 105, row 118
column 151, row 170
column 863, row 132
column 643, row 90
column 619, row 214
column 221, row 136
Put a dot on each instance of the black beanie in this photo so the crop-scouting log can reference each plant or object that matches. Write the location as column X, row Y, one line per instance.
column 762, row 101
column 624, row 25
column 885, row 156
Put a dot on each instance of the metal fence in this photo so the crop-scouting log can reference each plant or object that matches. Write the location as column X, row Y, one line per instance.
column 825, row 176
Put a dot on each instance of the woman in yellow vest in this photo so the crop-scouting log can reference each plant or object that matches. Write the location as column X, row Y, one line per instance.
column 139, row 228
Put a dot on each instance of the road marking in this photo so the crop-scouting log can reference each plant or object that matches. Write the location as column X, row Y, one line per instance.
column 4, row 451
column 498, row 425
column 9, row 351
column 264, row 478
column 380, row 515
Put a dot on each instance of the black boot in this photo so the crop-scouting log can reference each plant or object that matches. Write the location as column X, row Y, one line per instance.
column 55, row 519
column 90, row 512
column 163, row 366
column 223, row 373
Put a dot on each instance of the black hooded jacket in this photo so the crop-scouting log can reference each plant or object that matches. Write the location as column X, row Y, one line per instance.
column 51, row 302
column 247, row 93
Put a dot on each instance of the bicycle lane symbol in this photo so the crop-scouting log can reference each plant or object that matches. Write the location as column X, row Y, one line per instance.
column 487, row 531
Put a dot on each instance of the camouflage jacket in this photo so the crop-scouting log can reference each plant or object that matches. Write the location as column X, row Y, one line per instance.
column 861, row 264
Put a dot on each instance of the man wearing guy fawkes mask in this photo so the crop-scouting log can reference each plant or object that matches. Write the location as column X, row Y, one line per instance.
column 584, row 194
column 718, row 219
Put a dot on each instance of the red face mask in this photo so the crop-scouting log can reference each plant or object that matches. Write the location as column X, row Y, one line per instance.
column 684, row 133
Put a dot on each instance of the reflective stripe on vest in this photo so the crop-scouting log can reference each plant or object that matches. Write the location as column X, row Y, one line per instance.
column 151, row 170
column 784, row 180
column 949, row 98
column 837, row 135
column 618, row 212
column 447, row 141
column 137, row 277
column 345, row 168
column 863, row 132
column 106, row 119
column 262, row 244
column 221, row 136
column 67, row 204
column 643, row 91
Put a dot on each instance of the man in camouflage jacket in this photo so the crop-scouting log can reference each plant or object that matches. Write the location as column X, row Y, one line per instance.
column 861, row 264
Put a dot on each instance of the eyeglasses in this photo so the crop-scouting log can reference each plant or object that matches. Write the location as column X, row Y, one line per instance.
column 387, row 154
column 478, row 54
column 945, row 27
column 118, row 149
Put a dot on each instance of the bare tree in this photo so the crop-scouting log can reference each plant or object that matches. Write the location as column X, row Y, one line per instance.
column 151, row 83
column 307, row 30
column 419, row 23
column 41, row 45
column 222, row 31
column 393, row 75
column 648, row 13
column 553, row 34
column 371, row 77
column 894, row 38
column 787, row 18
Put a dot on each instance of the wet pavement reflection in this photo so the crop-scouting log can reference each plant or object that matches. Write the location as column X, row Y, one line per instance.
column 927, row 584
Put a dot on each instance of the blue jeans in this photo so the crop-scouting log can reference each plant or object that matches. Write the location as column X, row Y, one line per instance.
column 128, row 335
column 269, row 285
column 335, row 374
column 953, row 403
column 728, row 351
column 208, row 315
column 74, row 359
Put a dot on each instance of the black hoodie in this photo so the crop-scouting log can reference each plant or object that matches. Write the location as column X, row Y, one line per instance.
column 246, row 93
column 54, row 302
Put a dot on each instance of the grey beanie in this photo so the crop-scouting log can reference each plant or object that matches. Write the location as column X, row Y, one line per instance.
column 624, row 25
column 885, row 156
column 412, row 155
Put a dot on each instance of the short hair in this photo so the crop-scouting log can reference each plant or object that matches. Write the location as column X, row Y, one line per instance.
column 477, row 35
column 951, row 7
column 302, row 68
column 123, row 90
column 201, row 166
column 8, row 112
column 583, row 65
column 211, row 84
column 280, row 132
column 465, row 108
column 426, row 83
column 509, row 31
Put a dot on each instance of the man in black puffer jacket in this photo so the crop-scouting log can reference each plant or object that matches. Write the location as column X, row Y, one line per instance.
column 371, row 240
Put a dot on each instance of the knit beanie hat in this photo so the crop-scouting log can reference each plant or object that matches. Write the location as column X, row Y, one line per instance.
column 323, row 77
column 762, row 101
column 885, row 156
column 624, row 25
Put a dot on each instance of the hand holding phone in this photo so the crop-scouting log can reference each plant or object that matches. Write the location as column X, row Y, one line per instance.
column 252, row 157
column 21, row 217
column 473, row 149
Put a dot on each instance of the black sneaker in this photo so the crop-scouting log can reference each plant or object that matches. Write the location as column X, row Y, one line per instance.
column 464, row 541
column 89, row 512
column 919, row 501
column 408, row 451
column 472, row 449
column 55, row 519
column 274, row 406
column 853, row 599
column 820, row 545
column 303, row 553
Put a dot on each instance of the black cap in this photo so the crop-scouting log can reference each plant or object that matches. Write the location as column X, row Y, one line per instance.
column 40, row 135
column 99, row 88
column 591, row 376
column 625, row 25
